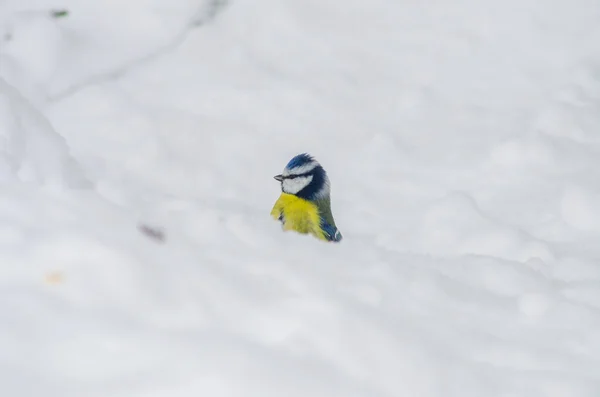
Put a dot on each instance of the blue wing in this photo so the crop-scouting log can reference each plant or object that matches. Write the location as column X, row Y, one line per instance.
column 331, row 232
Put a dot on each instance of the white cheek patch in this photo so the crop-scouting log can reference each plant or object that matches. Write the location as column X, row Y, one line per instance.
column 301, row 170
column 293, row 186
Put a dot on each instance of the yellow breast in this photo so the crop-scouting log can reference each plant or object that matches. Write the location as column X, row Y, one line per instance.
column 298, row 214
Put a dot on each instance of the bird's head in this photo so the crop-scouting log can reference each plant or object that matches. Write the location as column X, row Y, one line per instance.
column 304, row 177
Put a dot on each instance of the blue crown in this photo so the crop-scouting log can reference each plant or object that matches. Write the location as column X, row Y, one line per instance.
column 319, row 185
column 299, row 161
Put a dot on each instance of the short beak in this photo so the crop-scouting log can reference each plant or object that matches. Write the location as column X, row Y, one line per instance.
column 278, row 178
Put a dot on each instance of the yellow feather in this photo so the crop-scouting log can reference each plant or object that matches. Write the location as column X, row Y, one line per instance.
column 300, row 215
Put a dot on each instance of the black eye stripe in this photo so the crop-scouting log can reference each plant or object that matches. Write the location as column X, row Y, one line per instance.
column 297, row 176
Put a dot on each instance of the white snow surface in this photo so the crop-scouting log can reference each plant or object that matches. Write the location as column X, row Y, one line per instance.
column 138, row 144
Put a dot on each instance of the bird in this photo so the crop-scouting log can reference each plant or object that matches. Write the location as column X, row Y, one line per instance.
column 305, row 201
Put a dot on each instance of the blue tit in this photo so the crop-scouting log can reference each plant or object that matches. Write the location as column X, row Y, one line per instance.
column 305, row 204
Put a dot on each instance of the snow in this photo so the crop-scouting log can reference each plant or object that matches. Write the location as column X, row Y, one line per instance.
column 138, row 144
column 33, row 151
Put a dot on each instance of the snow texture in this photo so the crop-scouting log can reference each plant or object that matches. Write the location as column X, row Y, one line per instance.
column 138, row 144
